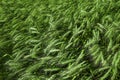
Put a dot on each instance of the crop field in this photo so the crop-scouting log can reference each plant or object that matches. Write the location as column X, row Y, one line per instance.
column 59, row 39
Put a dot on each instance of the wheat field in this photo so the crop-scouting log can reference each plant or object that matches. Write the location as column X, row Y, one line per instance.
column 59, row 39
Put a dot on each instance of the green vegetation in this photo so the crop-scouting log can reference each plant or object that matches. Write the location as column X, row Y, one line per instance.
column 59, row 39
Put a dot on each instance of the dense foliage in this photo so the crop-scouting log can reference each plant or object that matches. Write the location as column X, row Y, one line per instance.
column 59, row 39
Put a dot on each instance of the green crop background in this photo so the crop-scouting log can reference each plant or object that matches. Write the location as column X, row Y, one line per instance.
column 59, row 39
